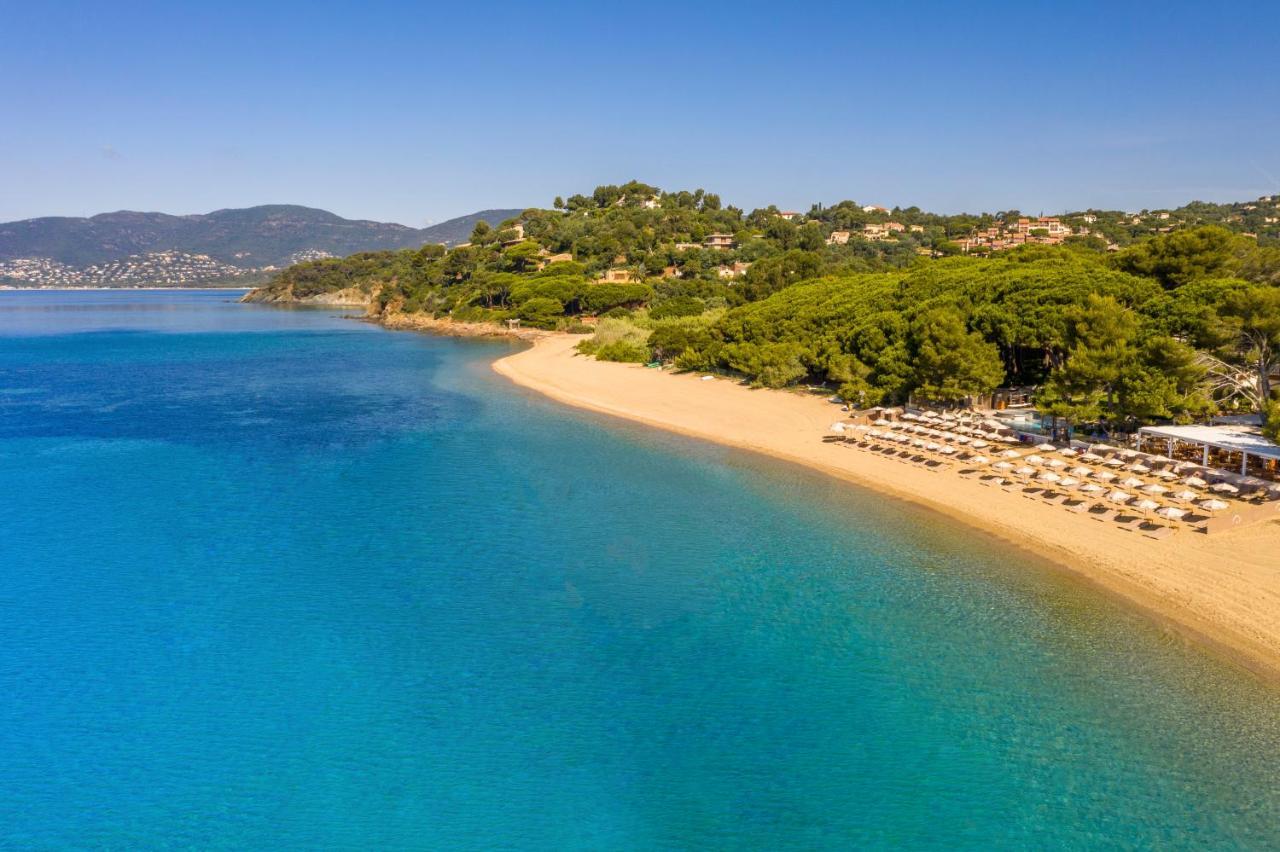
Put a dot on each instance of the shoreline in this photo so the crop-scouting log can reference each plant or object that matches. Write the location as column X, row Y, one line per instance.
column 397, row 321
column 1221, row 591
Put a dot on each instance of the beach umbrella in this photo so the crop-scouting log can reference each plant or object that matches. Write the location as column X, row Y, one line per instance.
column 837, row 427
column 1159, row 458
column 1011, row 454
column 979, row 459
column 1131, row 482
column 1120, row 497
column 1154, row 489
column 1106, row 448
column 1146, row 505
column 980, row 444
column 1172, row 513
column 1081, row 471
column 1195, row 482
column 1067, row 451
column 947, row 415
column 1048, row 476
column 917, row 442
column 909, row 416
column 1034, row 459
column 1092, row 488
column 1104, row 475
column 1213, row 505
column 1184, row 465
column 1047, row 448
column 1002, row 465
column 1166, row 474
column 1183, row 496
column 962, row 440
column 1025, row 470
column 931, row 447
column 1094, row 457
column 880, row 421
column 1224, row 488
column 946, row 451
column 1057, row 463
column 1068, row 482
column 1129, row 454
column 1114, row 463
column 1137, row 467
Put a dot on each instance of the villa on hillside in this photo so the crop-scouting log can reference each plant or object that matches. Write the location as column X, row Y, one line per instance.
column 733, row 271
column 838, row 238
column 1045, row 230
column 875, row 231
column 616, row 275
column 719, row 241
column 518, row 230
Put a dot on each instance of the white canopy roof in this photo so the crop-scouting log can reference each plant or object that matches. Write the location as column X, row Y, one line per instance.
column 1234, row 438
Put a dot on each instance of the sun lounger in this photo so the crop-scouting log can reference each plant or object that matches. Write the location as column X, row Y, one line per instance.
column 1105, row 515
column 1158, row 532
column 1130, row 525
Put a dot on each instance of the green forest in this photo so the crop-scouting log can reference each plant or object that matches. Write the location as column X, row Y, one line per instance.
column 1159, row 316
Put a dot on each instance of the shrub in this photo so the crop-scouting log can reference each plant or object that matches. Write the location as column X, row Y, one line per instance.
column 617, row 340
column 623, row 350
column 679, row 306
column 605, row 297
column 541, row 312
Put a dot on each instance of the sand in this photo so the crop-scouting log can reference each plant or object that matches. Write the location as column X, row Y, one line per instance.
column 1222, row 590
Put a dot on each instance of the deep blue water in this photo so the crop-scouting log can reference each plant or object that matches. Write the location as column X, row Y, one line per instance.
column 277, row 579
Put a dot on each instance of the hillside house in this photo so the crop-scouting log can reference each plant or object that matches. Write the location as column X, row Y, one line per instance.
column 724, row 242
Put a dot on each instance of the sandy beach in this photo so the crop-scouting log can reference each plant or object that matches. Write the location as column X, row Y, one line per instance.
column 1223, row 590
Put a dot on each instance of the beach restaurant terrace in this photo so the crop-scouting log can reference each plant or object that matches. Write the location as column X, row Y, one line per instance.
column 1219, row 446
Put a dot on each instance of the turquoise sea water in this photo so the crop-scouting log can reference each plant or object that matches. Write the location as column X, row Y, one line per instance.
column 276, row 579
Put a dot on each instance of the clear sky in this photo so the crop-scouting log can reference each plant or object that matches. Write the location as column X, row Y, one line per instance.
column 414, row 113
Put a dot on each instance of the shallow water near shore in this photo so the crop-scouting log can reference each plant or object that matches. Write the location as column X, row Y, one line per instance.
column 277, row 579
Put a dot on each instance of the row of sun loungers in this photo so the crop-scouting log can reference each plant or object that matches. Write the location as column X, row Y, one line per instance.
column 1152, row 495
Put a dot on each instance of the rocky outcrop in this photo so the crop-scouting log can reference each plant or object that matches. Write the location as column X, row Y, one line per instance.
column 283, row 294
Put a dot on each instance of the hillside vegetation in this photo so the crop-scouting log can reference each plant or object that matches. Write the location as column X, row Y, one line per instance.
column 1172, row 323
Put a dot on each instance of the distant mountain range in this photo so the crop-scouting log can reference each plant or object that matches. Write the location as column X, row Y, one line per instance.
column 225, row 244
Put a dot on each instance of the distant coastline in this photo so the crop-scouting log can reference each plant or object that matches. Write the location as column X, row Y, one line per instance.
column 8, row 288
column 1223, row 591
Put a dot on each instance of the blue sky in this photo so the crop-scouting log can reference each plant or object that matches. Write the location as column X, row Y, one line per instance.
column 414, row 113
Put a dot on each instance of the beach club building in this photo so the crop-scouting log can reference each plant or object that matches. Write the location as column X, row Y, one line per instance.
column 1228, row 447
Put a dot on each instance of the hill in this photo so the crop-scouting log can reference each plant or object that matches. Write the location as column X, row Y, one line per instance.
column 454, row 231
column 119, row 248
